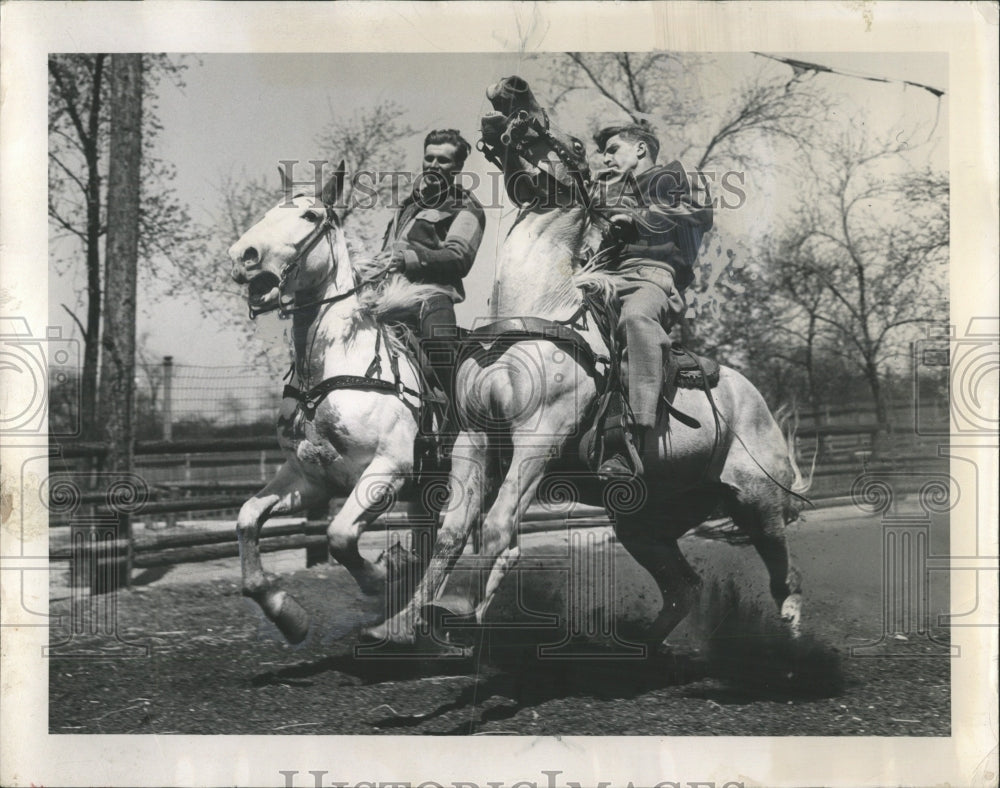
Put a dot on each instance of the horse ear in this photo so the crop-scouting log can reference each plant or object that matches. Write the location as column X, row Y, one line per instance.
column 286, row 183
column 334, row 188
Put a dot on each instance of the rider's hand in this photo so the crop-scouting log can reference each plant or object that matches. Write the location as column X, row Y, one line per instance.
column 392, row 261
column 623, row 229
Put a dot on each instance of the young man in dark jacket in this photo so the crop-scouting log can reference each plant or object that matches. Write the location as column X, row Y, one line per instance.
column 658, row 218
column 433, row 238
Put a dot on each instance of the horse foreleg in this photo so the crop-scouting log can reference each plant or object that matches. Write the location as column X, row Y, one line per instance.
column 378, row 487
column 466, row 485
column 660, row 555
column 286, row 493
column 501, row 523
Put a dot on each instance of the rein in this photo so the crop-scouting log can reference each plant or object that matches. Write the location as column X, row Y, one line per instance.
column 303, row 248
column 310, row 399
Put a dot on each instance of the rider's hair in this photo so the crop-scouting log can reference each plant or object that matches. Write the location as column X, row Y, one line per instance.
column 450, row 137
column 633, row 132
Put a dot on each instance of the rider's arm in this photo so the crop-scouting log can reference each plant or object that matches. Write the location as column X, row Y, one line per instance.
column 673, row 202
column 454, row 256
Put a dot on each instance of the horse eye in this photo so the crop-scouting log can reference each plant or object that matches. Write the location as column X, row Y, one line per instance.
column 311, row 216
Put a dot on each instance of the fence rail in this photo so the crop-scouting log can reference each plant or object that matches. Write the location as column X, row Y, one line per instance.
column 842, row 451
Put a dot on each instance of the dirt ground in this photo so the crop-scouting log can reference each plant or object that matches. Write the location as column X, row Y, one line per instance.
column 184, row 652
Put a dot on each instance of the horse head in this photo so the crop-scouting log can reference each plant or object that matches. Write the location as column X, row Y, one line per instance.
column 539, row 161
column 278, row 256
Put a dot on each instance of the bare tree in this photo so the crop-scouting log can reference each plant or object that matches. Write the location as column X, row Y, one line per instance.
column 667, row 91
column 714, row 131
column 869, row 246
column 371, row 143
column 79, row 122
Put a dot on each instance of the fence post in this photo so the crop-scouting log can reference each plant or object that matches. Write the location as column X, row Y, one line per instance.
column 168, row 397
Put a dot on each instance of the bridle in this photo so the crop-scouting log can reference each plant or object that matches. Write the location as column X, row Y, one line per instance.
column 519, row 122
column 303, row 249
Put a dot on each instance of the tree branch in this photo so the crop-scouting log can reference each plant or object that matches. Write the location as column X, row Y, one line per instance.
column 577, row 58
column 83, row 331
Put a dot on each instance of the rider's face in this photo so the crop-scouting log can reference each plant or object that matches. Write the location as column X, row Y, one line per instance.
column 622, row 155
column 443, row 160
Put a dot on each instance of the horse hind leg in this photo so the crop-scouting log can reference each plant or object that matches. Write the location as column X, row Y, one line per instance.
column 760, row 514
column 659, row 554
column 286, row 493
column 467, row 484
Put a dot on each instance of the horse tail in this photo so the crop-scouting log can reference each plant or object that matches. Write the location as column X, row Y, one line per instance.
column 787, row 417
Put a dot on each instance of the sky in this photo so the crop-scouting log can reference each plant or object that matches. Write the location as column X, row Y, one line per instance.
column 245, row 113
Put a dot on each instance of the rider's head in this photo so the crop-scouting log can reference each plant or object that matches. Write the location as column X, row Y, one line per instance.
column 630, row 148
column 445, row 151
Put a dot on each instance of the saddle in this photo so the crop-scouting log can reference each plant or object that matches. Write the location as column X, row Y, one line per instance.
column 503, row 333
column 436, row 423
column 612, row 419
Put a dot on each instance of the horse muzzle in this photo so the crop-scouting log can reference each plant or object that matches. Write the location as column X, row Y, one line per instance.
column 262, row 290
column 511, row 93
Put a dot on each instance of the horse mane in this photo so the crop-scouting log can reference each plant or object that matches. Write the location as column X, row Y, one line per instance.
column 390, row 299
column 594, row 277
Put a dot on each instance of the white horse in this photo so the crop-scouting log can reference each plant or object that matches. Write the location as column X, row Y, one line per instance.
column 526, row 400
column 352, row 429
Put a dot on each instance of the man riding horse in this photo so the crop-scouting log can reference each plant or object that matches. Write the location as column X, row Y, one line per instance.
column 433, row 239
column 528, row 384
column 657, row 221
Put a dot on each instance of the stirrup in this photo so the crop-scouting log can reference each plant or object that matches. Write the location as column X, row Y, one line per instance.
column 618, row 467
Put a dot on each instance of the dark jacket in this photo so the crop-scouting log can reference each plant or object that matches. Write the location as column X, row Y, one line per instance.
column 670, row 217
column 438, row 238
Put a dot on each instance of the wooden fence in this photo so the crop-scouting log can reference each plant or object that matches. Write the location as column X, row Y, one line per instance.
column 843, row 454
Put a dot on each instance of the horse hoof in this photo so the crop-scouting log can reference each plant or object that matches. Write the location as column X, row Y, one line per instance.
column 400, row 564
column 288, row 615
column 383, row 633
column 791, row 614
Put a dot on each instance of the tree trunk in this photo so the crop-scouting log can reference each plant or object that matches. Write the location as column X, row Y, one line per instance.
column 118, row 342
column 92, row 337
column 811, row 366
column 881, row 410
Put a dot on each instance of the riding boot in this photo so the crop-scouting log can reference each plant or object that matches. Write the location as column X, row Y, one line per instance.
column 624, row 460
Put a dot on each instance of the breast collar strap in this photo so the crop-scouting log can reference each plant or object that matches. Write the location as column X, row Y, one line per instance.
column 310, row 400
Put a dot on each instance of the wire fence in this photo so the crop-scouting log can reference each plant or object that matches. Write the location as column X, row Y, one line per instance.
column 223, row 396
column 186, row 400
column 179, row 400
